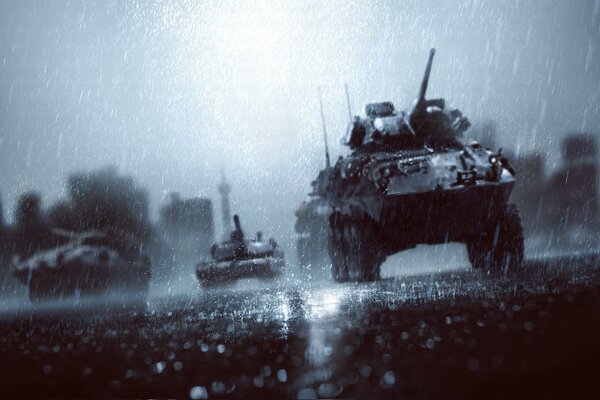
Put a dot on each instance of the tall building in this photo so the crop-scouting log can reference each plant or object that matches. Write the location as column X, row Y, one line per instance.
column 188, row 225
column 530, row 191
column 224, row 191
column 575, row 185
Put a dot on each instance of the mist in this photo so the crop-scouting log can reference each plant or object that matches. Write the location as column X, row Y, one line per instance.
column 172, row 92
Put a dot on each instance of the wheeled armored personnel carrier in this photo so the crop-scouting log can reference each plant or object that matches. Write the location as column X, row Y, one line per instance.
column 239, row 258
column 410, row 180
column 91, row 263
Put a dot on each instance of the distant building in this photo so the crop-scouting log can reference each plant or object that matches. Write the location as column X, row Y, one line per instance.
column 574, row 188
column 224, row 190
column 568, row 198
column 530, row 197
column 188, row 225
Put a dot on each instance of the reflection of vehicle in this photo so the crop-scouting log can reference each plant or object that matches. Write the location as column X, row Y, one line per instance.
column 411, row 180
column 91, row 263
column 240, row 258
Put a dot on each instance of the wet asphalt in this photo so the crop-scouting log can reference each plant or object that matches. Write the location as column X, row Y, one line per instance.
column 453, row 334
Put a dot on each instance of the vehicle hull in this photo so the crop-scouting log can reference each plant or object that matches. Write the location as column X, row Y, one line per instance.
column 456, row 214
column 450, row 215
column 94, row 281
column 211, row 273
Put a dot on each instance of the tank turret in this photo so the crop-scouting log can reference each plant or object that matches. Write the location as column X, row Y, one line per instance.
column 427, row 123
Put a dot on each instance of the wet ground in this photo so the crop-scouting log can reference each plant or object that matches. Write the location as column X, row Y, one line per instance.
column 452, row 334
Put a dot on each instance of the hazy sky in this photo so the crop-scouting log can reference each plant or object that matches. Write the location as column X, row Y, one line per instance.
column 172, row 91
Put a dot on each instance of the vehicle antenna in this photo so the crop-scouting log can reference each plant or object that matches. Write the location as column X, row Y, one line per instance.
column 327, row 160
column 348, row 101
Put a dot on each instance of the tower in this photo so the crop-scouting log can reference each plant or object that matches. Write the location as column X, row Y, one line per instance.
column 224, row 190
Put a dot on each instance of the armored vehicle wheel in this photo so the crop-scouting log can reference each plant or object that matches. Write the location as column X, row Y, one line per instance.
column 503, row 249
column 336, row 249
column 355, row 249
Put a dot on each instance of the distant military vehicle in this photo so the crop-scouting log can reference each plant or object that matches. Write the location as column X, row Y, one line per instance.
column 410, row 180
column 239, row 258
column 91, row 263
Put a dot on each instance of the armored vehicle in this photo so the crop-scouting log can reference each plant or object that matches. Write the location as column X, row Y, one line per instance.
column 410, row 180
column 91, row 263
column 241, row 258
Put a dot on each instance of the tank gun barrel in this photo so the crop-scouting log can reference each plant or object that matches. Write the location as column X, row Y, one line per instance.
column 236, row 221
column 425, row 81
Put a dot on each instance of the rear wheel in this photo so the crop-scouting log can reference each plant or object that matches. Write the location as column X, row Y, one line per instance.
column 355, row 250
column 502, row 249
column 336, row 247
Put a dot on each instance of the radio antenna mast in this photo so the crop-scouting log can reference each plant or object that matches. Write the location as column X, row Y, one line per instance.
column 348, row 102
column 327, row 160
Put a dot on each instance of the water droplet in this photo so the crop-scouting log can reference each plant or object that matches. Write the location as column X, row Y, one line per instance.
column 282, row 375
column 389, row 378
column 217, row 387
column 306, row 393
column 266, row 370
column 473, row 364
column 365, row 370
column 198, row 393
column 258, row 381
column 159, row 367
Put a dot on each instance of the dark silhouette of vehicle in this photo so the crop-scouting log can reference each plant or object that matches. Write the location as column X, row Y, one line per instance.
column 91, row 263
column 411, row 180
column 239, row 258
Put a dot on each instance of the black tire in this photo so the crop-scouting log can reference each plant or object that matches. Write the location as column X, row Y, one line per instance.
column 356, row 250
column 502, row 249
column 335, row 245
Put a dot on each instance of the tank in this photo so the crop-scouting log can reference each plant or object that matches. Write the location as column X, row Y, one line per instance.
column 411, row 179
column 91, row 263
column 239, row 258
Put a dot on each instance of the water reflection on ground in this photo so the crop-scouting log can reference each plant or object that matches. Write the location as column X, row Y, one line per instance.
column 447, row 334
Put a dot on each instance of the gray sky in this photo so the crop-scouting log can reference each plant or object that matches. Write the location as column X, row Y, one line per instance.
column 170, row 92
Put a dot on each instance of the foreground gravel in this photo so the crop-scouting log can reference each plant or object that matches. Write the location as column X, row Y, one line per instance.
column 442, row 335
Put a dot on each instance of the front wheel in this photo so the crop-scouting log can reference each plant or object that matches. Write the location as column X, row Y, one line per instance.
column 502, row 249
column 356, row 250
